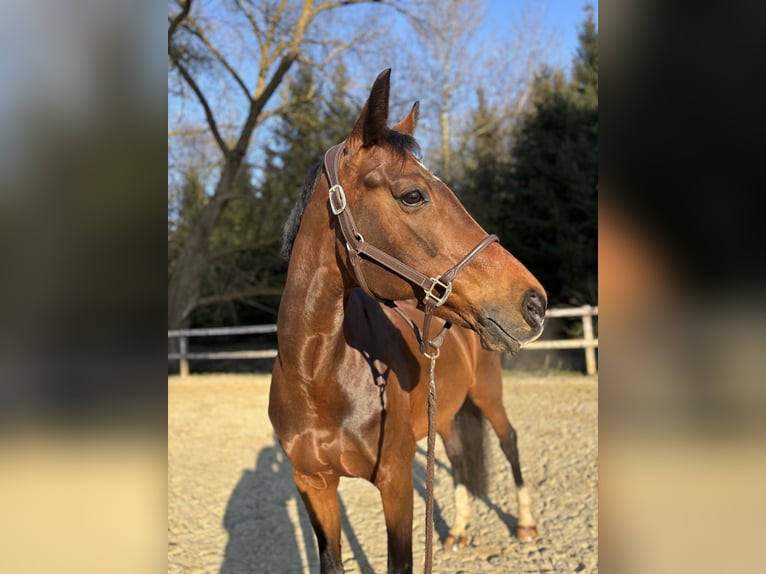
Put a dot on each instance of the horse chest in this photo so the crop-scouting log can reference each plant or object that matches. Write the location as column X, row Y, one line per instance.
column 342, row 432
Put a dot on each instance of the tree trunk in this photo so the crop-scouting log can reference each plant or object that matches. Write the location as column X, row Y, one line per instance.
column 186, row 283
column 445, row 145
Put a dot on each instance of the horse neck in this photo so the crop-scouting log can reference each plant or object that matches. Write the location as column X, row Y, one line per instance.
column 312, row 302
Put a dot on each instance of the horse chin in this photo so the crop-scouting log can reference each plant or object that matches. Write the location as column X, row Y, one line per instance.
column 495, row 338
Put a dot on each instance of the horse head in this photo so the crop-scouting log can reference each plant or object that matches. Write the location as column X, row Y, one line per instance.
column 402, row 208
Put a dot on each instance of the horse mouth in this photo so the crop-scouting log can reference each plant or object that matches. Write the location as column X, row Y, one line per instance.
column 495, row 338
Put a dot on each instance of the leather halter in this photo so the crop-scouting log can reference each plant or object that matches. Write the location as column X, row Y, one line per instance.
column 436, row 289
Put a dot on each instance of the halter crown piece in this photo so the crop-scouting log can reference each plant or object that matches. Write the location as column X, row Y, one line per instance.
column 436, row 289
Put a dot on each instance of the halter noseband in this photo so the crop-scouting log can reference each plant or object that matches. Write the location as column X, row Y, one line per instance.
column 436, row 289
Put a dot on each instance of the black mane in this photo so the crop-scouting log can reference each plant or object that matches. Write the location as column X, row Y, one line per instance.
column 394, row 141
column 294, row 219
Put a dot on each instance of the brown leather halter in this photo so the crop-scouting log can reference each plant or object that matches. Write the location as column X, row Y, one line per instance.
column 436, row 289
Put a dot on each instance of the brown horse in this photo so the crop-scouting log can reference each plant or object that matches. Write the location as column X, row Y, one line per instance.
column 350, row 385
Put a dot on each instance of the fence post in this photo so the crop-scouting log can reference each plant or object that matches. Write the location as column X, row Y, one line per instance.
column 590, row 350
column 183, row 362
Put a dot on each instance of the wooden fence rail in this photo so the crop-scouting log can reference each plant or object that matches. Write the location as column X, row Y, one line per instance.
column 588, row 342
column 586, row 312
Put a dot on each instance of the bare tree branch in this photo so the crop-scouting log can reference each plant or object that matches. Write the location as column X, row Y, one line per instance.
column 205, row 106
column 251, row 246
column 331, row 5
column 260, row 102
column 199, row 33
column 178, row 18
column 235, row 295
column 261, row 306
column 255, row 28
column 275, row 20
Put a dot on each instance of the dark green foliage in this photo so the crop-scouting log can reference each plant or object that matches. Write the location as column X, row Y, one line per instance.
column 542, row 202
column 552, row 223
column 486, row 168
column 190, row 201
column 585, row 69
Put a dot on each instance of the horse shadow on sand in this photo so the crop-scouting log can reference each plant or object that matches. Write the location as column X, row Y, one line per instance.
column 262, row 534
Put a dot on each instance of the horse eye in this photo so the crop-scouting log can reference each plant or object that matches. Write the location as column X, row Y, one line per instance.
column 413, row 198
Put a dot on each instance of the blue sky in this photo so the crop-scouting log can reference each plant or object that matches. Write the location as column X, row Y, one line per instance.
column 566, row 16
column 562, row 19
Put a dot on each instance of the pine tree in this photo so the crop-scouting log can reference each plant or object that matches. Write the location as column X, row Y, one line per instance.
column 548, row 218
column 585, row 69
column 485, row 170
column 189, row 200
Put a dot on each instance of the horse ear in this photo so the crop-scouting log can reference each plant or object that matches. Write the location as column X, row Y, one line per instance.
column 372, row 123
column 408, row 123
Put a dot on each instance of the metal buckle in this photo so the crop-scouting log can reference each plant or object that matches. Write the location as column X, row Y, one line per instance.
column 339, row 190
column 430, row 291
column 359, row 238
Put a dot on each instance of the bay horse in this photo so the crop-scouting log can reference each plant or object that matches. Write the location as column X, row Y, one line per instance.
column 349, row 387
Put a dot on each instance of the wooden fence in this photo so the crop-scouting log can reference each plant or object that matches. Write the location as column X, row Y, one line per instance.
column 588, row 342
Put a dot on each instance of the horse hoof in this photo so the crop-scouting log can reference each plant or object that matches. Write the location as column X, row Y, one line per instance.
column 526, row 533
column 455, row 543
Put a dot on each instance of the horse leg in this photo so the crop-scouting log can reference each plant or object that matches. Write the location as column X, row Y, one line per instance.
column 396, row 492
column 457, row 537
column 320, row 497
column 487, row 394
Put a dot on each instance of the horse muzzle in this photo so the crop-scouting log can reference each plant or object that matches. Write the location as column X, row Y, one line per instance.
column 504, row 331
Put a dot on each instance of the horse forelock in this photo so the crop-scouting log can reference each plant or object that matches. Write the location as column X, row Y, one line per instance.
column 401, row 144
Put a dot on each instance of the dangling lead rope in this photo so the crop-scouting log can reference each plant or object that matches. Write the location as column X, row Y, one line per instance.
column 430, row 463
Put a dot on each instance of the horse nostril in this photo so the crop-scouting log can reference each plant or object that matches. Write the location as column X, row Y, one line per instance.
column 533, row 308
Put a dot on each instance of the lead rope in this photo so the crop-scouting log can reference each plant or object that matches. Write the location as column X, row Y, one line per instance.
column 430, row 463
column 435, row 344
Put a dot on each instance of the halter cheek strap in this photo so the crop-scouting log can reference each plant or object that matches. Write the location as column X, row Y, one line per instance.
column 436, row 289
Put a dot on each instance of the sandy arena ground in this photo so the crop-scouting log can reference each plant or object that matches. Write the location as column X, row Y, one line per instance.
column 233, row 508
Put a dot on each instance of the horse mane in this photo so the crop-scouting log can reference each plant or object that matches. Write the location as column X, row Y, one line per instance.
column 394, row 141
column 294, row 219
